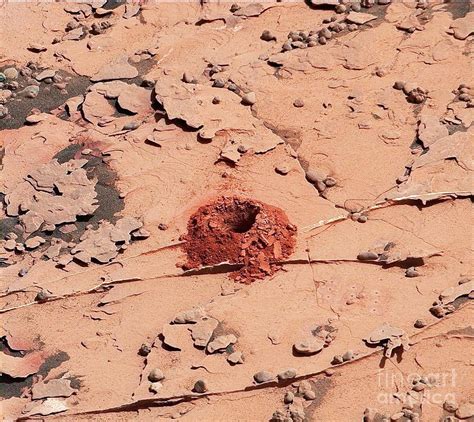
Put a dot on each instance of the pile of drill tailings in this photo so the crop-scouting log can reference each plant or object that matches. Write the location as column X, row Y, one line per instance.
column 240, row 231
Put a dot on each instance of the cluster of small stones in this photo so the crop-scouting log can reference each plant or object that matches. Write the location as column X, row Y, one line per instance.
column 11, row 89
column 411, row 410
column 295, row 403
column 331, row 26
column 465, row 93
column 414, row 93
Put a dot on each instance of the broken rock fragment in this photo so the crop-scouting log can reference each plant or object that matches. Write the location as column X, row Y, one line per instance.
column 52, row 388
column 117, row 69
column 103, row 245
column 309, row 346
column 389, row 337
column 189, row 317
column 221, row 343
column 202, row 331
column 359, row 18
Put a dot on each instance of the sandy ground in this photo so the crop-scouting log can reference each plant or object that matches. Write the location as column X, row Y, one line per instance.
column 121, row 122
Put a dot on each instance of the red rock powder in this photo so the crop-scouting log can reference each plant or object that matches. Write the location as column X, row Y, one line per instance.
column 239, row 231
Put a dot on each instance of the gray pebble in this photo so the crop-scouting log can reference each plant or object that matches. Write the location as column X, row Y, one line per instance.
column 322, row 40
column 337, row 359
column 464, row 97
column 218, row 83
column 144, row 350
column 309, row 395
column 3, row 111
column 399, row 85
column 298, row 44
column 200, row 386
column 216, row 100
column 298, row 103
column 289, row 397
column 450, row 406
column 419, row 386
column 411, row 272
column 282, row 169
column 233, row 87
column 356, row 7
column 326, row 33
column 349, row 355
column 286, row 375
column 330, row 182
column 263, row 376
column 420, row 323
column 367, row 256
column 155, row 375
column 341, row 8
column 287, row 46
column 352, row 27
column 267, row 36
column 10, row 73
column 188, row 78
column 362, row 218
column 131, row 125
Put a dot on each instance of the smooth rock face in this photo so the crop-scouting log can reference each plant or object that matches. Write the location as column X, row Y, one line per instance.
column 309, row 346
column 263, row 376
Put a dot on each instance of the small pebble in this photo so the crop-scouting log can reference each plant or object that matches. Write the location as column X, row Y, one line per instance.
column 155, row 387
column 282, row 169
column 298, row 103
column 450, row 406
column 218, row 83
column 216, row 100
column 155, row 375
column 362, row 218
column 330, row 182
column 287, row 46
column 42, row 296
column 286, row 375
column 356, row 8
column 235, row 358
column 263, row 376
column 188, row 78
column 10, row 73
column 337, row 359
column 144, row 350
column 309, row 395
column 200, row 386
column 3, row 111
column 322, row 40
column 267, row 36
column 349, row 355
column 399, row 85
column 367, row 256
column 420, row 323
column 465, row 97
column 411, row 272
column 289, row 397
column 249, row 98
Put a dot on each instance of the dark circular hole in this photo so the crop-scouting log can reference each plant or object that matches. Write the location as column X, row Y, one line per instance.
column 243, row 218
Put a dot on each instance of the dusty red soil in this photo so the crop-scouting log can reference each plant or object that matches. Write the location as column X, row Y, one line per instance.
column 239, row 231
column 253, row 212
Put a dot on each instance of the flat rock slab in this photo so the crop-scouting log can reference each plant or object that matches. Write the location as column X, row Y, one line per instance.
column 118, row 69
column 360, row 18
